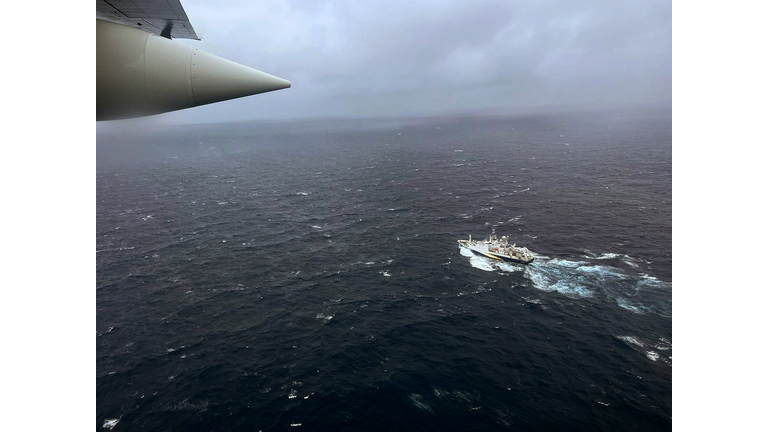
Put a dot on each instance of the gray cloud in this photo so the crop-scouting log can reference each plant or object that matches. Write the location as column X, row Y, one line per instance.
column 390, row 58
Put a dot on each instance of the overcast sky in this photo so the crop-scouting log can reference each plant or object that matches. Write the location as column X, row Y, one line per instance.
column 401, row 58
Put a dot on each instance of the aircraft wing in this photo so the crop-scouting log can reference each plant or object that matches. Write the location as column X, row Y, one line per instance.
column 148, row 15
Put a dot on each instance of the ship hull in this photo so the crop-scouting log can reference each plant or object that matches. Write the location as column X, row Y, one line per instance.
column 499, row 257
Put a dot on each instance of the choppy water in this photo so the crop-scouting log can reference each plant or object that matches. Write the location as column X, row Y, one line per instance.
column 306, row 276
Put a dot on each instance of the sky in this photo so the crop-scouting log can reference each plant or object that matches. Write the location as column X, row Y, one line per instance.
column 419, row 58
column 719, row 117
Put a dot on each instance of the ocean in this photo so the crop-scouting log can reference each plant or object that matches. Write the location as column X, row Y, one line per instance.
column 306, row 275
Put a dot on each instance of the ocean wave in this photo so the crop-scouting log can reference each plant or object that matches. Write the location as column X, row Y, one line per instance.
column 625, row 304
column 418, row 402
column 626, row 259
column 650, row 349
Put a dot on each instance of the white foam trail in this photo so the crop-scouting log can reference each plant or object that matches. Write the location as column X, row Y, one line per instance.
column 572, row 290
column 548, row 277
column 507, row 267
column 581, row 279
column 600, row 272
column 110, row 423
column 566, row 263
column 626, row 259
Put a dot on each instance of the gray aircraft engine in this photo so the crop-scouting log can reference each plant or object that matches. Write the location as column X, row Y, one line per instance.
column 139, row 73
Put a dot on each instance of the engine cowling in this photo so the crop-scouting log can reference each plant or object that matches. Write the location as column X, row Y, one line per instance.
column 140, row 74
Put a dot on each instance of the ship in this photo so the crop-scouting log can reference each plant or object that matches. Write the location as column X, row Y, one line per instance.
column 498, row 249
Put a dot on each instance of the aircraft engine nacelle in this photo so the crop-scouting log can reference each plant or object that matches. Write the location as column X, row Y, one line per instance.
column 140, row 74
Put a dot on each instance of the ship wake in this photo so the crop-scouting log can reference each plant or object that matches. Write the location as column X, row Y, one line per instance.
column 637, row 293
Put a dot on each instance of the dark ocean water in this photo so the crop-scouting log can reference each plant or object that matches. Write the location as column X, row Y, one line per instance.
column 306, row 276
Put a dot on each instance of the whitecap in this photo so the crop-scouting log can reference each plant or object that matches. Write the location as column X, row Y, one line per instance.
column 624, row 304
column 647, row 348
column 418, row 401
column 110, row 423
column 607, row 255
column 631, row 340
column 440, row 393
column 630, row 261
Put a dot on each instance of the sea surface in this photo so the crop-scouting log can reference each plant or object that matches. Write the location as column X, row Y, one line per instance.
column 305, row 276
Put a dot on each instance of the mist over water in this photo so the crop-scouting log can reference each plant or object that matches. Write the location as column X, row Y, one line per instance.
column 306, row 275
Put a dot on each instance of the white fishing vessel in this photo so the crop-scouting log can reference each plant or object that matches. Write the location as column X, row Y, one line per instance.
column 498, row 249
